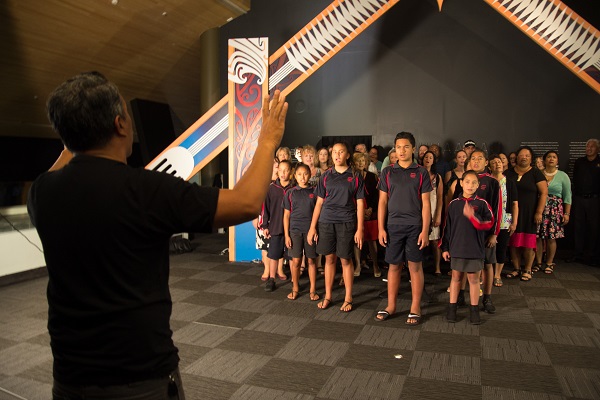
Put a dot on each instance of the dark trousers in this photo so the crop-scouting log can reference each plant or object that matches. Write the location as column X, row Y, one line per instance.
column 167, row 388
column 586, row 221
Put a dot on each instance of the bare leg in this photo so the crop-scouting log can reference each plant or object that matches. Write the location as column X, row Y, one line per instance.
column 266, row 264
column 373, row 251
column 436, row 256
column 498, row 270
column 515, row 257
column 457, row 278
column 356, row 271
column 528, row 256
column 330, row 260
column 393, row 284
column 280, row 269
column 488, row 278
column 539, row 251
column 473, row 278
column 550, row 250
column 295, row 270
column 348, row 273
column 417, row 283
column 273, row 268
column 312, row 276
column 463, row 282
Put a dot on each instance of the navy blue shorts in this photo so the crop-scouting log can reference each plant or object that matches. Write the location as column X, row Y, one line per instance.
column 402, row 244
column 299, row 243
column 276, row 247
column 336, row 239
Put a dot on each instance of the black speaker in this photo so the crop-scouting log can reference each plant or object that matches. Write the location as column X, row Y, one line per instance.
column 154, row 127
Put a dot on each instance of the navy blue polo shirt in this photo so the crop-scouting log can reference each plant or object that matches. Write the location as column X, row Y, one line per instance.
column 404, row 187
column 300, row 202
column 489, row 190
column 339, row 193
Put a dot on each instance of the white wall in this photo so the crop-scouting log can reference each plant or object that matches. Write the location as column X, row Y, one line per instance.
column 18, row 254
column 19, row 250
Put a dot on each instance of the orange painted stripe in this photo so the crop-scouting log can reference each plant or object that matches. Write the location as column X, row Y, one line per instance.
column 562, row 58
column 339, row 46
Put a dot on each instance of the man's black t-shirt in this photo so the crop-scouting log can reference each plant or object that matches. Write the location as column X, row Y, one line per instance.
column 105, row 229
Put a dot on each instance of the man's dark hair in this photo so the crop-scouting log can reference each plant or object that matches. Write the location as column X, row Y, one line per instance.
column 82, row 110
column 405, row 135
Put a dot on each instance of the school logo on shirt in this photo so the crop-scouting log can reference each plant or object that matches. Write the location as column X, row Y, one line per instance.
column 349, row 179
column 482, row 187
column 311, row 196
column 475, row 208
column 413, row 175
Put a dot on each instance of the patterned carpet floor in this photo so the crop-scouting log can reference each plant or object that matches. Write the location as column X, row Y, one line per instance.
column 237, row 341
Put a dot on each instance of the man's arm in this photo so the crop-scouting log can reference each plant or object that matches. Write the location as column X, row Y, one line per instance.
column 242, row 203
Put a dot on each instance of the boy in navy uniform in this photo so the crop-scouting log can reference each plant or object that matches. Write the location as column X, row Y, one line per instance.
column 404, row 199
column 272, row 217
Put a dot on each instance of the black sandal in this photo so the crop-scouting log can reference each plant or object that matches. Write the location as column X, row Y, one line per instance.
column 383, row 314
column 514, row 274
column 322, row 305
column 346, row 303
column 526, row 276
column 415, row 317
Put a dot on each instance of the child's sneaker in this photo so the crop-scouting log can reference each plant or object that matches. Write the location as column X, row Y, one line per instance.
column 451, row 314
column 475, row 319
column 270, row 285
column 488, row 306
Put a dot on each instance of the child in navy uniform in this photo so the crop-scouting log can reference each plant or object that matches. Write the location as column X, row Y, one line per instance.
column 272, row 220
column 339, row 213
column 463, row 242
column 299, row 204
column 489, row 190
column 404, row 202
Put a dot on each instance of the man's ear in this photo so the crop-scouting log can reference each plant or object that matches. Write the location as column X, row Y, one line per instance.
column 120, row 125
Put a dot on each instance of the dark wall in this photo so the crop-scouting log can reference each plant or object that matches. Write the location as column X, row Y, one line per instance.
column 464, row 73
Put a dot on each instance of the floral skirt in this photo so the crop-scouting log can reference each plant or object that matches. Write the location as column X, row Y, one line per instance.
column 552, row 219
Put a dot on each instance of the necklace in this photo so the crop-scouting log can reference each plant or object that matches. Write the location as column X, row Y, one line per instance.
column 521, row 174
column 550, row 173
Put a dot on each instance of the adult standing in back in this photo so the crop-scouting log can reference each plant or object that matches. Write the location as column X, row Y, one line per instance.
column 532, row 191
column 586, row 204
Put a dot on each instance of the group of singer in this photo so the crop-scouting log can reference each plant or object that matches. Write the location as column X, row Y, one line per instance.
column 471, row 213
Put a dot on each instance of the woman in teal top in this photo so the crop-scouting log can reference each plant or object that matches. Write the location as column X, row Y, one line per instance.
column 556, row 213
